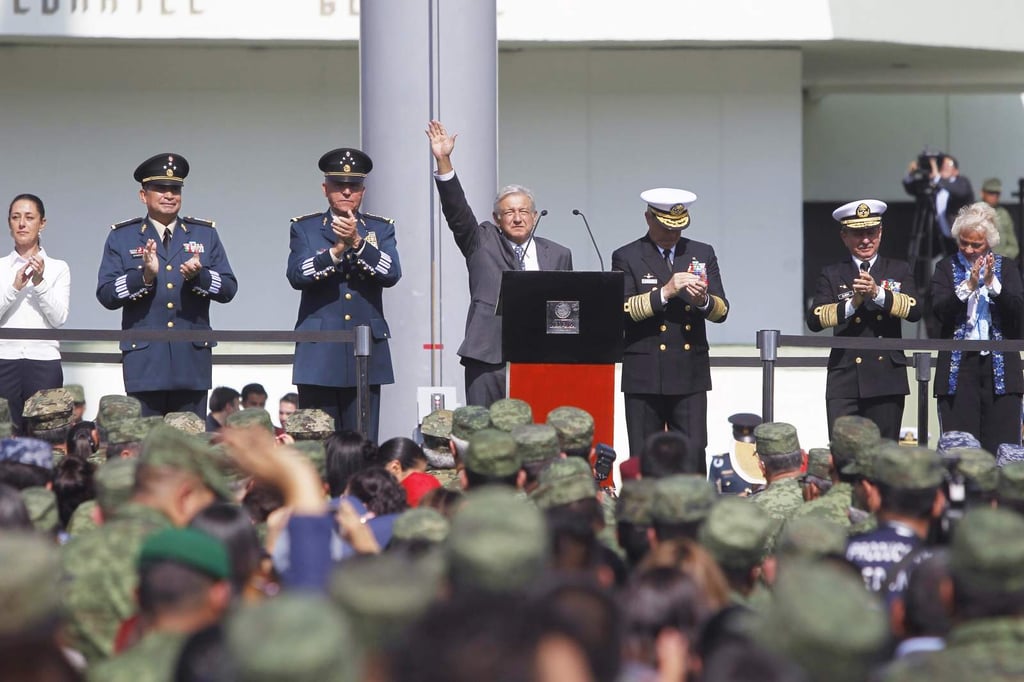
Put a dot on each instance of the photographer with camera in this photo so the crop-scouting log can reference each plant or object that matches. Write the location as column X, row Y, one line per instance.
column 937, row 175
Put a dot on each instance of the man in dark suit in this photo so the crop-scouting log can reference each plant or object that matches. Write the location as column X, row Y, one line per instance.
column 865, row 296
column 673, row 287
column 341, row 260
column 951, row 191
column 163, row 270
column 489, row 249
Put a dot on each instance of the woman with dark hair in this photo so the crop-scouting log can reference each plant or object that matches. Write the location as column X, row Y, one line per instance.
column 378, row 490
column 72, row 485
column 34, row 294
column 13, row 512
column 81, row 442
column 401, row 457
column 347, row 452
column 231, row 524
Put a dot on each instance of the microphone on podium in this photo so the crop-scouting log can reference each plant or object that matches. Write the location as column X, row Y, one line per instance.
column 600, row 260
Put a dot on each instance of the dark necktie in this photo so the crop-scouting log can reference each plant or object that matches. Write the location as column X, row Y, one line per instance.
column 865, row 266
column 167, row 238
column 520, row 256
column 668, row 258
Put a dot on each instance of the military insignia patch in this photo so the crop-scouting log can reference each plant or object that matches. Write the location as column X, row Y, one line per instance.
column 845, row 295
column 891, row 285
column 863, row 211
column 698, row 268
column 137, row 252
column 371, row 238
column 649, row 278
column 195, row 247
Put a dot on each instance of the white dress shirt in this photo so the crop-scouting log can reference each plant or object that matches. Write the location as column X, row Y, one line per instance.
column 34, row 307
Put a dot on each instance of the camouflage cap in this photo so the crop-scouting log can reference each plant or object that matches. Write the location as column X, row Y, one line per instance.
column 575, row 427
column 316, row 453
column 508, row 413
column 1009, row 452
column 115, row 482
column 536, row 442
column 635, row 502
column 77, row 392
column 776, row 438
column 437, row 424
column 251, row 416
column 132, row 430
column 29, row 583
column 564, row 481
column 114, row 408
column 907, row 468
column 82, row 519
column 497, row 543
column 27, row 451
column 294, row 636
column 1010, row 487
column 468, row 420
column 863, row 460
column 819, row 462
column 492, row 453
column 850, row 435
column 383, row 593
column 736, row 533
column 956, row 439
column 987, row 551
column 682, row 498
column 186, row 422
column 169, row 448
column 844, row 633
column 977, row 466
column 811, row 537
column 42, row 508
column 49, row 408
column 421, row 523
column 309, row 425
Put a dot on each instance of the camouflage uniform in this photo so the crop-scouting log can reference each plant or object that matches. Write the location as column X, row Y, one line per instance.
column 736, row 534
column 47, row 410
column 440, row 462
column 682, row 498
column 151, row 659
column 421, row 523
column 833, row 505
column 42, row 509
column 575, row 427
column 310, row 424
column 249, row 417
column 186, row 422
column 783, row 496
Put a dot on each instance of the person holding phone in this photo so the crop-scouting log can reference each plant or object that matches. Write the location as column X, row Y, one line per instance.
column 978, row 295
column 36, row 293
column 341, row 260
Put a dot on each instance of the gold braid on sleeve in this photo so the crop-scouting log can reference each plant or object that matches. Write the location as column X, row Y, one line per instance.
column 828, row 315
column 718, row 309
column 638, row 307
column 901, row 305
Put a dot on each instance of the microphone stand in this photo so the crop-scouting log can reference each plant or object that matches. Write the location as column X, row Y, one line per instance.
column 600, row 260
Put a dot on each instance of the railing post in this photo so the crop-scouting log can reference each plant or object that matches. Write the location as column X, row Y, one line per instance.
column 768, row 344
column 362, row 352
column 923, row 373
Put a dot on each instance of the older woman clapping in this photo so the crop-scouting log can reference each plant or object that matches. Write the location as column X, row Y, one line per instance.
column 978, row 295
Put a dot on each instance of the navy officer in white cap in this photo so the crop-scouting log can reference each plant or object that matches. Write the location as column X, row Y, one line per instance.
column 865, row 295
column 673, row 287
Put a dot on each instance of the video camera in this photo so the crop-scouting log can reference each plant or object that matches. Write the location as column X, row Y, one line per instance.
column 920, row 179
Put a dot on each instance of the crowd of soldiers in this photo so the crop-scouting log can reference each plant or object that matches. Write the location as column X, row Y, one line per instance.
column 144, row 548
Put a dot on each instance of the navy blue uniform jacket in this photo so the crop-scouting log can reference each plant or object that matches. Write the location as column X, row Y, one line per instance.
column 342, row 296
column 170, row 303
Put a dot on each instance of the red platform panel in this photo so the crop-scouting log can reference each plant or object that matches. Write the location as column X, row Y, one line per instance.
column 547, row 386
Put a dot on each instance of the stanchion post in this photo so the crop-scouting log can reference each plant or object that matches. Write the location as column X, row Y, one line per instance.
column 923, row 373
column 362, row 352
column 768, row 344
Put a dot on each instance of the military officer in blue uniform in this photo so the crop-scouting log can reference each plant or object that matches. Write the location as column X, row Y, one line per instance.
column 341, row 260
column 738, row 472
column 162, row 271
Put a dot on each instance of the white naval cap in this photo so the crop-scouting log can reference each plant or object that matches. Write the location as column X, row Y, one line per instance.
column 670, row 206
column 860, row 214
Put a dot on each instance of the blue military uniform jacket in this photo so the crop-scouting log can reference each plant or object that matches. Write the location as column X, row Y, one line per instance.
column 342, row 296
column 169, row 303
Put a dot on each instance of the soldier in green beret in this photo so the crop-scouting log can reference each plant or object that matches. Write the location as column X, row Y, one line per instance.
column 174, row 479
column 781, row 460
column 736, row 534
column 492, row 458
column 987, row 565
column 508, row 413
column 183, row 587
column 907, row 483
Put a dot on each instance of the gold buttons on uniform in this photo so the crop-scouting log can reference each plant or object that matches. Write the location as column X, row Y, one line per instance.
column 133, row 345
column 880, row 357
column 664, row 327
column 878, row 317
column 170, row 324
column 662, row 346
column 686, row 346
column 348, row 297
column 689, row 308
column 688, row 327
column 170, row 305
column 348, row 317
column 857, row 320
column 170, row 285
column 168, row 267
column 858, row 360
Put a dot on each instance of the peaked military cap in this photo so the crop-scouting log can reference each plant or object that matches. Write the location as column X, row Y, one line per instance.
column 988, row 550
column 906, row 468
column 345, row 165
column 508, row 413
column 172, row 449
column 819, row 462
column 850, row 435
column 421, row 523
column 860, row 214
column 671, row 207
column 564, row 481
column 132, row 430
column 163, row 169
column 113, row 408
column 635, row 502
column 776, row 438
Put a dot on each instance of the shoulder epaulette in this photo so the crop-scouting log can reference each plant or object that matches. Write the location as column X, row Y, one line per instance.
column 126, row 222
column 308, row 215
column 199, row 221
column 378, row 217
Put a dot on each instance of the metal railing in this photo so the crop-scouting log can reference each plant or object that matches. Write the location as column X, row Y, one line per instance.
column 359, row 337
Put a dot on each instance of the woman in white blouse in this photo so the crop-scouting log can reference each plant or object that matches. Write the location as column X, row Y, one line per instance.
column 34, row 293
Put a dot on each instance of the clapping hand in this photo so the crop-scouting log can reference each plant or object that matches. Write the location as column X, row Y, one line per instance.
column 190, row 268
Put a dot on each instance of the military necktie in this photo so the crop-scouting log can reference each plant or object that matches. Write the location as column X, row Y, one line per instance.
column 167, row 238
column 668, row 258
column 520, row 256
